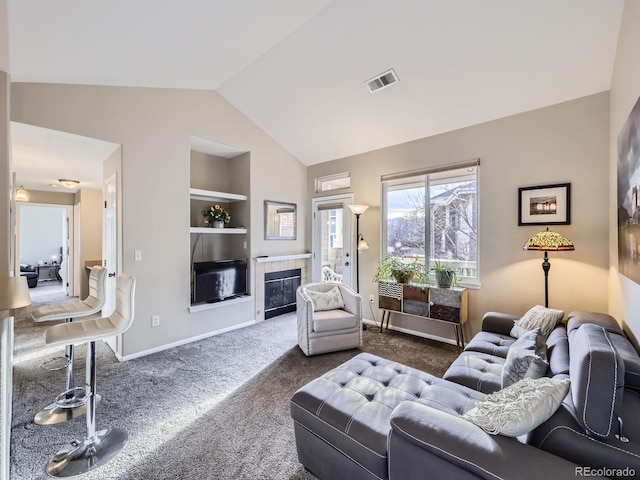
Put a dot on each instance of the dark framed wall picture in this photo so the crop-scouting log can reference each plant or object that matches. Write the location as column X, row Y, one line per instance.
column 545, row 205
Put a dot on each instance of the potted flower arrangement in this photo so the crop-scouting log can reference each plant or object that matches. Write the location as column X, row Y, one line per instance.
column 216, row 216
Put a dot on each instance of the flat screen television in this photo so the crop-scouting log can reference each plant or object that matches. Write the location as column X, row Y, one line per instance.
column 218, row 280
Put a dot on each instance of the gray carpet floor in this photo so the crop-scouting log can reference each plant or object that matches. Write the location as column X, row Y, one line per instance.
column 213, row 409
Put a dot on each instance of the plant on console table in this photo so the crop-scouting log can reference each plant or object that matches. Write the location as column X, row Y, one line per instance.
column 445, row 276
column 216, row 216
column 401, row 271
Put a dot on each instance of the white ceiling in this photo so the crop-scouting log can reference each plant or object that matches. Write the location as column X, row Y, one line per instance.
column 297, row 67
column 41, row 157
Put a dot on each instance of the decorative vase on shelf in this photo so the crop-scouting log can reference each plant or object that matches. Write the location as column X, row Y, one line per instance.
column 215, row 216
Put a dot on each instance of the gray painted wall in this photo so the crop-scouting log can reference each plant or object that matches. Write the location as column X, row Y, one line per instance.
column 562, row 143
column 153, row 126
column 41, row 233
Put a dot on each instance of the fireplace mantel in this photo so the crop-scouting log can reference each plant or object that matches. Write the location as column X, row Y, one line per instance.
column 280, row 258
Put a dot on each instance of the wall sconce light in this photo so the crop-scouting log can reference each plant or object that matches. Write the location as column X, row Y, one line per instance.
column 21, row 194
column 68, row 182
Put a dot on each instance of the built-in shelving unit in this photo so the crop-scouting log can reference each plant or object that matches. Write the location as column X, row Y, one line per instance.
column 219, row 231
column 219, row 174
column 201, row 307
column 217, row 197
column 211, row 196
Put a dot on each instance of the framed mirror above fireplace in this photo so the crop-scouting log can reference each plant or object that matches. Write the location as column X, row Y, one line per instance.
column 280, row 220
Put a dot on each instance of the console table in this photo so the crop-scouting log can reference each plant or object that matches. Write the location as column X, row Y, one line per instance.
column 48, row 272
column 448, row 305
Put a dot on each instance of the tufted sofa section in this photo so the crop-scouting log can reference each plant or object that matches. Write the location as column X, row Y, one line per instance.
column 371, row 418
column 480, row 365
column 477, row 370
column 349, row 408
column 598, row 423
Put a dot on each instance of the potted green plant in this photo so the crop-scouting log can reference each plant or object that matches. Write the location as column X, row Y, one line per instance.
column 445, row 276
column 401, row 271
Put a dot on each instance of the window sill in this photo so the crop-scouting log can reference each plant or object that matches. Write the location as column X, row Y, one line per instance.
column 469, row 284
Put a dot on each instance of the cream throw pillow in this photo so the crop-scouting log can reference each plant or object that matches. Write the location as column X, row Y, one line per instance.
column 537, row 317
column 518, row 409
column 330, row 300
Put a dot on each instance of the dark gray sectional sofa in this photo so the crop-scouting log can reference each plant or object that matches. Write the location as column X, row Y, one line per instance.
column 371, row 418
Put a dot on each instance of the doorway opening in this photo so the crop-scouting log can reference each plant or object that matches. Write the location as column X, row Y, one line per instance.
column 332, row 238
column 44, row 241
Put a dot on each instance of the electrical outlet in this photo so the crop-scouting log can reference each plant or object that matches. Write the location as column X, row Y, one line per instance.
column 155, row 320
column 371, row 298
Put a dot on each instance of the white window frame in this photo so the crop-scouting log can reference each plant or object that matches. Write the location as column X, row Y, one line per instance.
column 421, row 177
column 327, row 179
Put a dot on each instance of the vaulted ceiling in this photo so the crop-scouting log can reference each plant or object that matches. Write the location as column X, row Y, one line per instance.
column 298, row 68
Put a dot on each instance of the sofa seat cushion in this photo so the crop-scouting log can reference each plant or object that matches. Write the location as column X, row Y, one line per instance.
column 490, row 343
column 350, row 406
column 331, row 320
column 478, row 371
column 562, row 435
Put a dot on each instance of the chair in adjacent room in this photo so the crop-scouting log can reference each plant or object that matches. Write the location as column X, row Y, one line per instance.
column 30, row 273
column 329, row 318
column 98, row 447
column 71, row 406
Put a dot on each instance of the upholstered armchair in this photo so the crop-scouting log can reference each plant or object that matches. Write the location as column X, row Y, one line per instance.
column 329, row 318
column 30, row 273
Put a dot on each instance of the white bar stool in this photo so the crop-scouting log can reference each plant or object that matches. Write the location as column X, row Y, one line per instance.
column 70, row 406
column 98, row 447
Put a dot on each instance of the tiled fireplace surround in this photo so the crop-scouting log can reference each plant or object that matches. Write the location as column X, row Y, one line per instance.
column 276, row 264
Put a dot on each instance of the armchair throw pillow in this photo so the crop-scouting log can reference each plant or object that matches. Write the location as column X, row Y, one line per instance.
column 526, row 359
column 519, row 408
column 330, row 300
column 537, row 317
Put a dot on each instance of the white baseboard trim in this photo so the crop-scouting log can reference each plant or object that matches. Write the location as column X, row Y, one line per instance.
column 144, row 353
column 414, row 332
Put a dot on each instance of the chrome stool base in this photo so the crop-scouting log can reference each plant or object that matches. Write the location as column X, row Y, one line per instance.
column 82, row 456
column 56, row 363
column 53, row 414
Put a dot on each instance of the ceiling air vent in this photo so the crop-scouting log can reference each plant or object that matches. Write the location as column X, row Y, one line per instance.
column 382, row 81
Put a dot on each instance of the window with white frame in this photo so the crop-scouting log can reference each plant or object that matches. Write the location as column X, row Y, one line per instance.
column 431, row 216
column 336, row 181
